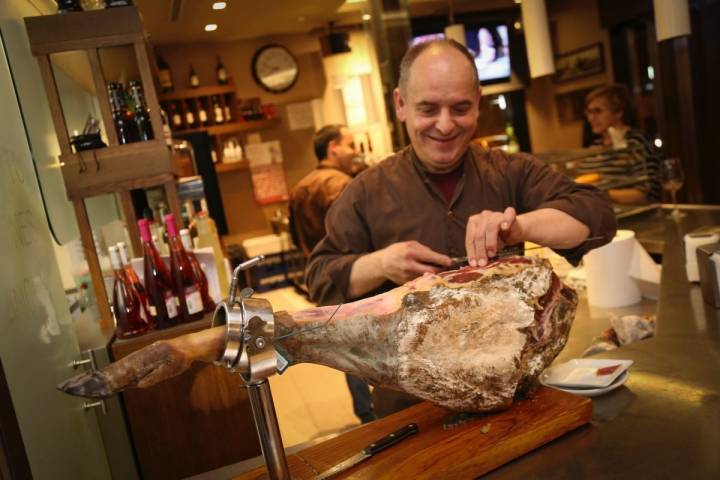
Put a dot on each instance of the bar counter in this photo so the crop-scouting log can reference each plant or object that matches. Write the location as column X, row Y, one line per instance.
column 665, row 421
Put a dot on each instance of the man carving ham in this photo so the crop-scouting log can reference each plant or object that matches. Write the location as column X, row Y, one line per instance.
column 443, row 197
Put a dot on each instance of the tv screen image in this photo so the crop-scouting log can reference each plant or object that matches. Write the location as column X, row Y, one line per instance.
column 489, row 45
column 491, row 49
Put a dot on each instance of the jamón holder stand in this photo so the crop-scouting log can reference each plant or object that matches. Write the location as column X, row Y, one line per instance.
column 249, row 351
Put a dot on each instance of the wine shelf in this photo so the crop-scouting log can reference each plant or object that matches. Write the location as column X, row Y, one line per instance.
column 208, row 91
column 235, row 127
column 231, row 167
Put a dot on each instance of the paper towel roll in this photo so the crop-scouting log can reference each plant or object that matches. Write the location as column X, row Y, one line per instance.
column 609, row 284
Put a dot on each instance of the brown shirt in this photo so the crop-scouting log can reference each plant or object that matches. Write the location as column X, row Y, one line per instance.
column 310, row 200
column 395, row 201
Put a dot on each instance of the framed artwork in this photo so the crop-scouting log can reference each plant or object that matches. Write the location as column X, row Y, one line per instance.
column 571, row 105
column 579, row 63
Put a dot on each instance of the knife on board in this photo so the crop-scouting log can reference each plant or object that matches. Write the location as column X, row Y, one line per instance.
column 370, row 450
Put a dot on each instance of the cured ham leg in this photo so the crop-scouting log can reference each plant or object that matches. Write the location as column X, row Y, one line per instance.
column 471, row 339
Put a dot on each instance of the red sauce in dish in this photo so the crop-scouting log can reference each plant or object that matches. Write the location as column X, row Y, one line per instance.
column 607, row 370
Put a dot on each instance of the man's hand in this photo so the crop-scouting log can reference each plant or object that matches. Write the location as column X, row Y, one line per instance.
column 488, row 232
column 404, row 261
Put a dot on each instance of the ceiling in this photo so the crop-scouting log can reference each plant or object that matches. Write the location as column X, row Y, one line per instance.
column 183, row 21
column 240, row 19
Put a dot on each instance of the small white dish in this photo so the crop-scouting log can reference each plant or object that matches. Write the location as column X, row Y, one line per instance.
column 585, row 373
column 594, row 392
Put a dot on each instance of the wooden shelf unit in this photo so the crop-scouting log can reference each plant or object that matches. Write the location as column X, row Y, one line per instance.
column 116, row 168
column 231, row 167
column 237, row 127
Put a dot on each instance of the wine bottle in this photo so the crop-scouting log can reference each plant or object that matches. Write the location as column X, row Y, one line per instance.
column 132, row 276
column 130, row 317
column 194, row 80
column 189, row 115
column 208, row 302
column 186, row 286
column 221, row 71
column 217, row 111
column 227, row 113
column 162, row 301
column 202, row 113
column 142, row 116
column 208, row 237
column 123, row 118
column 167, row 135
column 165, row 75
column 175, row 117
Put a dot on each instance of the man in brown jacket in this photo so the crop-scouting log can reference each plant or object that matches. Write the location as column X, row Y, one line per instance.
column 444, row 197
column 311, row 198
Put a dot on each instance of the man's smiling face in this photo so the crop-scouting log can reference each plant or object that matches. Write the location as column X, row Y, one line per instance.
column 440, row 107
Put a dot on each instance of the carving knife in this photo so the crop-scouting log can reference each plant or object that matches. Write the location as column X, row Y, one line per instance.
column 507, row 252
column 370, row 450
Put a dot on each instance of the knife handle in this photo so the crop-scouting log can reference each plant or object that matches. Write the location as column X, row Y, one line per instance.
column 392, row 439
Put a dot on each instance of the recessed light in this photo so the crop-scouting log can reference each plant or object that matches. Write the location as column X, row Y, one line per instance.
column 219, row 5
column 211, row 27
column 366, row 17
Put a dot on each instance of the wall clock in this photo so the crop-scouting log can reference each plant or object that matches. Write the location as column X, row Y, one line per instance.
column 275, row 68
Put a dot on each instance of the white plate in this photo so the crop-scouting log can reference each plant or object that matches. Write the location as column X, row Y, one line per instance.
column 594, row 392
column 583, row 373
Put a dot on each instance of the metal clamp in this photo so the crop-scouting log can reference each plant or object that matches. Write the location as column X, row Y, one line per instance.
column 250, row 328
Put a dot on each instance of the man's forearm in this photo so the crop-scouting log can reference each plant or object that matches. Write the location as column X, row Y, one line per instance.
column 366, row 275
column 553, row 228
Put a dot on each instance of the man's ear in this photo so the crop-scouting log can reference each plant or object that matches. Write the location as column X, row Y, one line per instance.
column 331, row 148
column 399, row 105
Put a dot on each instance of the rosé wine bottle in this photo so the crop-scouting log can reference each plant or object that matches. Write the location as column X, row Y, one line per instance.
column 162, row 302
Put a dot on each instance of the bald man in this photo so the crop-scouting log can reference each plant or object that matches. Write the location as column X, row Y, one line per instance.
column 443, row 197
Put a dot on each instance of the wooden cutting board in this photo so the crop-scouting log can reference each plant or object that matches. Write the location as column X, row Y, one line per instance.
column 467, row 450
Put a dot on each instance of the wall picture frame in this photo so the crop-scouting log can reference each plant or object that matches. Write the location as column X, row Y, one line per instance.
column 579, row 63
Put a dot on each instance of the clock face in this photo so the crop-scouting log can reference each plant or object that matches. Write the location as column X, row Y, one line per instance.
column 275, row 68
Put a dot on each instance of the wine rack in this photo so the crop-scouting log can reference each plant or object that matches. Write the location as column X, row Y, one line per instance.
column 116, row 168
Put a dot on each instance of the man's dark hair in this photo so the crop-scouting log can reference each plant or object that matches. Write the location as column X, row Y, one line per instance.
column 414, row 52
column 324, row 136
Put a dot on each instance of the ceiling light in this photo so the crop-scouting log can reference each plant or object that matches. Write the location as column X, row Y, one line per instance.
column 211, row 27
column 366, row 17
column 219, row 5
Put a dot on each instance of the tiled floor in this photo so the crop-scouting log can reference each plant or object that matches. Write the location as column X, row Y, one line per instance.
column 311, row 401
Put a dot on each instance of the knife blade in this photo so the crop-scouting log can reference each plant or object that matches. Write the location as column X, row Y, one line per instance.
column 507, row 252
column 370, row 450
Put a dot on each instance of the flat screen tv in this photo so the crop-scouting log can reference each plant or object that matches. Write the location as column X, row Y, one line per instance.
column 489, row 45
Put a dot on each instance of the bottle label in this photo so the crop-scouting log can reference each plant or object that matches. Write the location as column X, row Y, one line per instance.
column 177, row 119
column 152, row 309
column 202, row 115
column 194, row 81
column 218, row 115
column 222, row 75
column 190, row 118
column 193, row 300
column 171, row 304
column 228, row 117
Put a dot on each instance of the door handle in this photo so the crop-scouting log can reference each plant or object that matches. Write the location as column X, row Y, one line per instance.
column 87, row 406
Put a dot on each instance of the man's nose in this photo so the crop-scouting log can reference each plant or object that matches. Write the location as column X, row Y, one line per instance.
column 444, row 122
